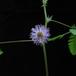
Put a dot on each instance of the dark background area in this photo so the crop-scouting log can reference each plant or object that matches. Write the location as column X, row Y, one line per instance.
column 26, row 59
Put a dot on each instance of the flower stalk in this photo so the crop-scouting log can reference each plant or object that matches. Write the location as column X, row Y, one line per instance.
column 45, row 59
column 44, row 49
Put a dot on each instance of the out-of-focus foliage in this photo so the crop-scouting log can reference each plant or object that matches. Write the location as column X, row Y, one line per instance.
column 72, row 44
column 1, row 52
column 72, row 40
column 73, row 30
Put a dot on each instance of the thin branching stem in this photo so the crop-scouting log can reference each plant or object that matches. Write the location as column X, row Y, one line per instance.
column 61, row 23
column 58, row 37
column 17, row 41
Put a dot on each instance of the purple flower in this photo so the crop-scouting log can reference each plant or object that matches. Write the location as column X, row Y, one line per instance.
column 39, row 34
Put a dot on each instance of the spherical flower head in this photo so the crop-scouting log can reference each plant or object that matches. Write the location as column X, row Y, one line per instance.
column 40, row 34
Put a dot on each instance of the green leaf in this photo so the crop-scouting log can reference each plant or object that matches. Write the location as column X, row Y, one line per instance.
column 73, row 29
column 1, row 52
column 72, row 44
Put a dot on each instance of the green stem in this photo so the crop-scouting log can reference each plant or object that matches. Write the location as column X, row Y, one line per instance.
column 44, row 49
column 45, row 13
column 45, row 59
column 58, row 37
column 6, row 42
column 61, row 23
